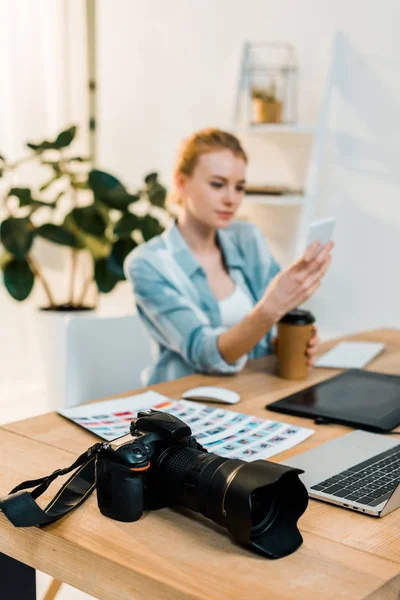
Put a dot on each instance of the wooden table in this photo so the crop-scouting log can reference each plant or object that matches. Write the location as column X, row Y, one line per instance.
column 175, row 555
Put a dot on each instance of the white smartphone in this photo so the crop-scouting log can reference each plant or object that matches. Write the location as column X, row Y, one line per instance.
column 321, row 231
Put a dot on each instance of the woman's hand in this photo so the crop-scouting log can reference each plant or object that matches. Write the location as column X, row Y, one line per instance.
column 312, row 346
column 298, row 282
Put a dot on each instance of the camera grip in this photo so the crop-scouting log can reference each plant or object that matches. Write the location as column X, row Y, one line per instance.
column 119, row 491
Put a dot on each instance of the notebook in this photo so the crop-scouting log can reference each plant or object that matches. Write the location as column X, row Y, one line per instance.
column 350, row 355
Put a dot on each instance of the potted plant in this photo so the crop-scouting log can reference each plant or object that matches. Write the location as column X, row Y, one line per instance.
column 266, row 104
column 85, row 210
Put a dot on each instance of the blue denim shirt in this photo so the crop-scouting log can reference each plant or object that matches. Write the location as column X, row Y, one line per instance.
column 178, row 307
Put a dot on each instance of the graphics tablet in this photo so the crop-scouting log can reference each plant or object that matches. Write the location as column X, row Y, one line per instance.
column 361, row 399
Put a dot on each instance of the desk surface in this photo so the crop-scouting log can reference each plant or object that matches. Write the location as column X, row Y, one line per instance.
column 174, row 554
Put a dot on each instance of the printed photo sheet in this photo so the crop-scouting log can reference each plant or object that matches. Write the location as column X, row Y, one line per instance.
column 224, row 432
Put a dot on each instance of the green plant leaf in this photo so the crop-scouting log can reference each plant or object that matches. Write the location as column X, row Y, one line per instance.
column 105, row 212
column 5, row 258
column 18, row 279
column 151, row 178
column 102, row 182
column 71, row 226
column 39, row 204
column 157, row 194
column 119, row 252
column 79, row 158
column 2, row 157
column 45, row 145
column 118, row 199
column 126, row 224
column 16, row 236
column 98, row 247
column 65, row 137
column 110, row 191
column 57, row 234
column 24, row 195
column 105, row 280
column 150, row 227
column 90, row 220
column 62, row 141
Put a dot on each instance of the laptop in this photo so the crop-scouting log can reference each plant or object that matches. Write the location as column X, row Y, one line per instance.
column 360, row 471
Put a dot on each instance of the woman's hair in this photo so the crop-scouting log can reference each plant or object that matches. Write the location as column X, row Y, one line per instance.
column 202, row 142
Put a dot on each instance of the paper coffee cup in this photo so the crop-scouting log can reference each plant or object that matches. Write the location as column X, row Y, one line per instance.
column 294, row 331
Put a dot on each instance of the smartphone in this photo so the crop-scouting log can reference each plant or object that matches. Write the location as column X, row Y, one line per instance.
column 321, row 231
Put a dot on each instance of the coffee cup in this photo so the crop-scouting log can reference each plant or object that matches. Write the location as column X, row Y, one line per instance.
column 294, row 332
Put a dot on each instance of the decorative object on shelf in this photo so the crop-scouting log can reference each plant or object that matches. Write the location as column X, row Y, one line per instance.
column 267, row 91
column 84, row 209
column 267, row 108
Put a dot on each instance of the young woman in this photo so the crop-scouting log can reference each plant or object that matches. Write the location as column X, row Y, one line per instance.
column 208, row 289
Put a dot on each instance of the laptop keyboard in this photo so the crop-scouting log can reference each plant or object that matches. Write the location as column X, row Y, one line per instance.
column 370, row 482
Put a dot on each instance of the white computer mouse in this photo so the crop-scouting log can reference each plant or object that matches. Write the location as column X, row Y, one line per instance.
column 211, row 394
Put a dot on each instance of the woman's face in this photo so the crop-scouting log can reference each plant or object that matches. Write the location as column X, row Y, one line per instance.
column 214, row 191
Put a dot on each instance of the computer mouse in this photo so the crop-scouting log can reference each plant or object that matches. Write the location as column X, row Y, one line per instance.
column 211, row 394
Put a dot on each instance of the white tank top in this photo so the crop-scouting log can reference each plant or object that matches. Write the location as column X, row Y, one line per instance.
column 235, row 307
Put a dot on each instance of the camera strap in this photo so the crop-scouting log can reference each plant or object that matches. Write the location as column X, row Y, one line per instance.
column 20, row 506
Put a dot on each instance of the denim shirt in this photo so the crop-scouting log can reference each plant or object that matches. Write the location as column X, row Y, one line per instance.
column 177, row 306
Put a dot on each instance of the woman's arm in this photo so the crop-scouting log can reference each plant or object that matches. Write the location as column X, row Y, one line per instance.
column 290, row 288
column 242, row 337
column 176, row 322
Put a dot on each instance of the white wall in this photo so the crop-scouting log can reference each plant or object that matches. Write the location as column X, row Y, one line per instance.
column 167, row 68
column 360, row 186
column 43, row 89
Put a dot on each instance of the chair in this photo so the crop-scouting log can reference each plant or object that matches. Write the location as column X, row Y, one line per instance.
column 105, row 356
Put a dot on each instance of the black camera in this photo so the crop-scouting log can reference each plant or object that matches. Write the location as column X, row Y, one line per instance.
column 161, row 464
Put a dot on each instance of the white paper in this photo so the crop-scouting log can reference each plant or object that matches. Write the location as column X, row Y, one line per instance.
column 224, row 432
column 350, row 355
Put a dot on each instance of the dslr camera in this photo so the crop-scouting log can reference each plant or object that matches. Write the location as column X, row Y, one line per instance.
column 161, row 464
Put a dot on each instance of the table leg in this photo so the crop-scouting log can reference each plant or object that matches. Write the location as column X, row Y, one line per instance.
column 17, row 580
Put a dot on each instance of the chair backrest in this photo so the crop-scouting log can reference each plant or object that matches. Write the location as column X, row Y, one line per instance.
column 105, row 356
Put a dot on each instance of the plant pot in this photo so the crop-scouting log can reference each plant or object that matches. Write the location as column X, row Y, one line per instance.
column 52, row 333
column 92, row 354
column 267, row 111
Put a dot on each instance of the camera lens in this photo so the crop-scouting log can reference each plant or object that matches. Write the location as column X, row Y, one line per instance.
column 263, row 508
column 254, row 501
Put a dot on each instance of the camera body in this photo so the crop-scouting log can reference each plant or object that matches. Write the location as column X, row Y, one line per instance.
column 126, row 469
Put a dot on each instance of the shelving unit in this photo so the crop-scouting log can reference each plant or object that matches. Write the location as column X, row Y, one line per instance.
column 276, row 128
column 280, row 154
column 284, row 200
